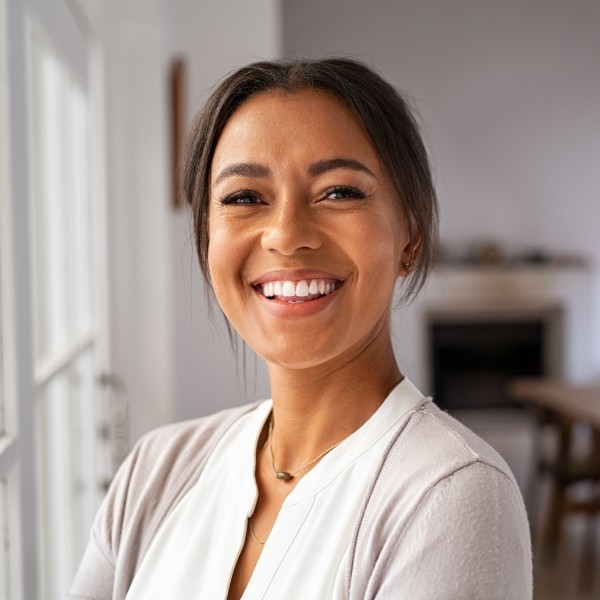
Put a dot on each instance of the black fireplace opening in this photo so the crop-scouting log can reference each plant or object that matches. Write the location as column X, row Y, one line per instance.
column 472, row 361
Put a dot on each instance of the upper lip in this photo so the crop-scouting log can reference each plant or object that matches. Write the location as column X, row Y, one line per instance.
column 294, row 275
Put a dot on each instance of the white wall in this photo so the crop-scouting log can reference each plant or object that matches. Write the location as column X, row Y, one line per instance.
column 130, row 41
column 510, row 95
column 215, row 38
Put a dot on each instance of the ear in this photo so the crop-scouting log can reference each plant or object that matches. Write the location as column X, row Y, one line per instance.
column 410, row 254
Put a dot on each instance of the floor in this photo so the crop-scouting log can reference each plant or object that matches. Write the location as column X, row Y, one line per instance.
column 561, row 579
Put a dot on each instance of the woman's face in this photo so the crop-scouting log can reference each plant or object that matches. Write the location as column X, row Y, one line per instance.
column 306, row 235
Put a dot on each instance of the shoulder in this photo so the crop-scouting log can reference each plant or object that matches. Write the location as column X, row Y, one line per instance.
column 176, row 443
column 170, row 457
column 436, row 458
column 434, row 452
column 162, row 467
column 159, row 471
column 442, row 499
column 432, row 446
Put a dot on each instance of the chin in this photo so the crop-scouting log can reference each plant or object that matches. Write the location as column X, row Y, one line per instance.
column 302, row 356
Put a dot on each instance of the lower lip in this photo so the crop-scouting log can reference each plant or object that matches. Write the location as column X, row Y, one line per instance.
column 297, row 309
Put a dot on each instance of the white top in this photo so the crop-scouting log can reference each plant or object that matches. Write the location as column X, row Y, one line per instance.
column 443, row 519
column 196, row 550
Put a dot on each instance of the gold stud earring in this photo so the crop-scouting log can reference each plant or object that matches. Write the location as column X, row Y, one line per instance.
column 407, row 267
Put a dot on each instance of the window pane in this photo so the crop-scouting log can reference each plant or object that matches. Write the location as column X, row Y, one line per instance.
column 78, row 201
column 67, row 457
column 4, row 541
column 54, row 494
column 61, row 206
column 47, row 203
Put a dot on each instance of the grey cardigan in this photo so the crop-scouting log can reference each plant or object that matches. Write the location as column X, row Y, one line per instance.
column 443, row 519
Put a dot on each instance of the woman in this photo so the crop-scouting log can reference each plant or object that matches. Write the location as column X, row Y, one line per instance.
column 311, row 196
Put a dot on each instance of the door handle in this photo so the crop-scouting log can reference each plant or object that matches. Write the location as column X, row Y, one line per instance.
column 115, row 428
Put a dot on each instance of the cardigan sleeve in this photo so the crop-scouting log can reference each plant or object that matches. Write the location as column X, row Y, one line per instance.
column 157, row 474
column 467, row 539
column 95, row 578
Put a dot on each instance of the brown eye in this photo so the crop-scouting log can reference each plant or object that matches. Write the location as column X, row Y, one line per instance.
column 241, row 197
column 344, row 193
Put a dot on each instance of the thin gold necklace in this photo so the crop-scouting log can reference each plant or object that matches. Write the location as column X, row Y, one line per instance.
column 253, row 534
column 286, row 475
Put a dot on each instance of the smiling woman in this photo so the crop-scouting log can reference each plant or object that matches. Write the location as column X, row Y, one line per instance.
column 301, row 214
column 311, row 195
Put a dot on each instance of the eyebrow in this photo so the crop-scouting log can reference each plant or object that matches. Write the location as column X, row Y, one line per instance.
column 243, row 170
column 315, row 169
column 323, row 166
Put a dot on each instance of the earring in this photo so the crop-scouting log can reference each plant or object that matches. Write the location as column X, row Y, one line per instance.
column 407, row 267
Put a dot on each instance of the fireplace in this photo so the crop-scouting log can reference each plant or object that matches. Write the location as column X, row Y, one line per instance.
column 472, row 355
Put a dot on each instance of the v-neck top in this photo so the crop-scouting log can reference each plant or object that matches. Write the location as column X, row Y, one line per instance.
column 196, row 550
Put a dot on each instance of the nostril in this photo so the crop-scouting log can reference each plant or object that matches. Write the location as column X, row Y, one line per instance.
column 290, row 235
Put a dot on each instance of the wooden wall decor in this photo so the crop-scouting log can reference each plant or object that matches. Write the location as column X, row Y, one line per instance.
column 177, row 82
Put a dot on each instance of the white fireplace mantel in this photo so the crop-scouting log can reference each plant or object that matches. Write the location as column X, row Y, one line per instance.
column 468, row 292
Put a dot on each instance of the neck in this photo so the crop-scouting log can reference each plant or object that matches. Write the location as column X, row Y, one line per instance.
column 316, row 407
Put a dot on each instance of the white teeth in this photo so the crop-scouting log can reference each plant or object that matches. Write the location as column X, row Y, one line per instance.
column 300, row 289
column 289, row 289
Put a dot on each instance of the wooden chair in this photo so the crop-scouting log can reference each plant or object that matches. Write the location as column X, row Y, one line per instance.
column 563, row 467
column 566, row 471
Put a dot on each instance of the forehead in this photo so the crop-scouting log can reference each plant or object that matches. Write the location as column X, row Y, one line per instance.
column 304, row 125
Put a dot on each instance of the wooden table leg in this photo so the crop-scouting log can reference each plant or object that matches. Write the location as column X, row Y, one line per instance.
column 559, row 488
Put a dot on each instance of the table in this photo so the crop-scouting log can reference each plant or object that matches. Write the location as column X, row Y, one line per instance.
column 575, row 402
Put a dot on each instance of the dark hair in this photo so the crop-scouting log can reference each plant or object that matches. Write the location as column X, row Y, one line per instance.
column 381, row 110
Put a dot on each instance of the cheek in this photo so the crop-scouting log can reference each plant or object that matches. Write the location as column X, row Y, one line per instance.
column 228, row 253
column 381, row 244
column 222, row 246
column 221, row 261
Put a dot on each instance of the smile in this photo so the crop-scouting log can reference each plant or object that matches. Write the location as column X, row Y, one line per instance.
column 295, row 292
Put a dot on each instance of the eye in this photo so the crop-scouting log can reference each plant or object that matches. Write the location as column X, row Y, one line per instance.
column 344, row 192
column 241, row 197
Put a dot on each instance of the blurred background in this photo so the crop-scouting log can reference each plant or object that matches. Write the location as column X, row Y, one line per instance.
column 104, row 323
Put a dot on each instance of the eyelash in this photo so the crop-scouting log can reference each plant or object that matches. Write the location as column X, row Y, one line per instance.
column 246, row 197
column 241, row 197
column 347, row 192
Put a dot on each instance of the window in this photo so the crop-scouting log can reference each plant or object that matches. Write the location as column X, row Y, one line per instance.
column 68, row 349
column 52, row 300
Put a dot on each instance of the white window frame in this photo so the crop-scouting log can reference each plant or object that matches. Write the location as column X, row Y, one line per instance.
column 16, row 461
column 67, row 477
column 19, row 531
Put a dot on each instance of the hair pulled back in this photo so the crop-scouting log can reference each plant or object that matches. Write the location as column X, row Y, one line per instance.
column 383, row 113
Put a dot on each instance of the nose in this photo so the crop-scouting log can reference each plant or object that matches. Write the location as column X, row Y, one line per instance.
column 293, row 226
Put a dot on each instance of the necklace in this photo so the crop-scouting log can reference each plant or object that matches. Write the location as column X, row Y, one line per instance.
column 286, row 475
column 253, row 534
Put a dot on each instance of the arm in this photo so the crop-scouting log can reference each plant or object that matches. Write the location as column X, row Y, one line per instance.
column 467, row 539
column 157, row 474
column 95, row 578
